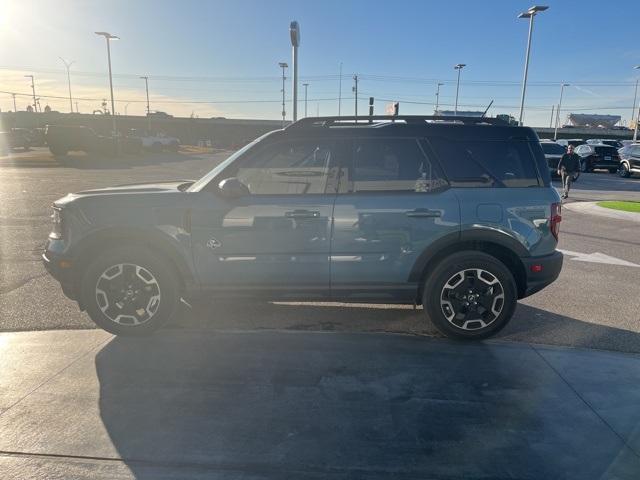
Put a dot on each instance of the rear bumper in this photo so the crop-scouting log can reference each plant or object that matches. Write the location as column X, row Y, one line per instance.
column 537, row 280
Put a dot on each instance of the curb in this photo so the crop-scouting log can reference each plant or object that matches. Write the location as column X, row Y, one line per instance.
column 591, row 208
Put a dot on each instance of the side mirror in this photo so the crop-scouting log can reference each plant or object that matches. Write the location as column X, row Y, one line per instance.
column 233, row 188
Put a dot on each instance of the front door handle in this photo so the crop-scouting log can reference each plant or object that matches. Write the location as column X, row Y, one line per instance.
column 302, row 214
column 423, row 213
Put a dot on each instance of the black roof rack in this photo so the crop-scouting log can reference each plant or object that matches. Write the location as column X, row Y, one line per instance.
column 363, row 120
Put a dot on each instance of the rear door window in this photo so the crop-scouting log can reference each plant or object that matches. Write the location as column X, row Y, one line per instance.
column 479, row 163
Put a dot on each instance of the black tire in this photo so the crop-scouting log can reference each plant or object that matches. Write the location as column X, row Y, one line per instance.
column 455, row 264
column 584, row 166
column 58, row 151
column 159, row 302
column 624, row 171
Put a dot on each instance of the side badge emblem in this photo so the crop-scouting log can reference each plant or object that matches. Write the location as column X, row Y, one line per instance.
column 213, row 243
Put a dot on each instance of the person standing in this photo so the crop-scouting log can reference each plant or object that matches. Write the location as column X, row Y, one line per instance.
column 567, row 167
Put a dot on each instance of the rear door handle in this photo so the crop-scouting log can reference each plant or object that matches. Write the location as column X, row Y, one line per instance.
column 302, row 214
column 423, row 213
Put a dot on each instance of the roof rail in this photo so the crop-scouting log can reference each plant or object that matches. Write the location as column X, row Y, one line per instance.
column 364, row 120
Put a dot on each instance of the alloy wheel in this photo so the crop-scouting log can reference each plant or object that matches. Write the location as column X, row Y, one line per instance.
column 128, row 294
column 472, row 299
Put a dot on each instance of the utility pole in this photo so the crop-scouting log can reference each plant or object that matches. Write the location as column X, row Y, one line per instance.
column 146, row 86
column 459, row 68
column 283, row 66
column 635, row 96
column 553, row 107
column 555, row 133
column 15, row 108
column 305, row 85
column 33, row 89
column 77, row 109
column 437, row 97
column 68, row 67
column 355, row 90
column 340, row 90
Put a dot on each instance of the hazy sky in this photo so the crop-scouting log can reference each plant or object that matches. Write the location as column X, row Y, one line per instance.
column 220, row 58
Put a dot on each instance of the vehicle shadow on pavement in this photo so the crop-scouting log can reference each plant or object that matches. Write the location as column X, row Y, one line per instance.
column 255, row 405
column 529, row 324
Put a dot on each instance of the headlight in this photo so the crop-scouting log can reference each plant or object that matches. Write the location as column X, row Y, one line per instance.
column 56, row 217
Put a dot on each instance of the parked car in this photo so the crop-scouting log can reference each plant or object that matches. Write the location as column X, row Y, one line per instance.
column 552, row 154
column 156, row 142
column 597, row 141
column 62, row 139
column 598, row 156
column 629, row 160
column 455, row 213
column 570, row 141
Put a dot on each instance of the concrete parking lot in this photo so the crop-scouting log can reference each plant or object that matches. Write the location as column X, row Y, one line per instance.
column 593, row 304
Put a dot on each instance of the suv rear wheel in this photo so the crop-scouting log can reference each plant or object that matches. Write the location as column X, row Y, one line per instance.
column 470, row 295
column 129, row 291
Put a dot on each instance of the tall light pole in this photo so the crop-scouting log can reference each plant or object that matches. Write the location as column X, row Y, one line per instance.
column 283, row 66
column 555, row 133
column 530, row 14
column 305, row 85
column 15, row 107
column 340, row 90
column 294, row 32
column 459, row 68
column 438, row 97
column 68, row 67
column 635, row 96
column 108, row 37
column 33, row 89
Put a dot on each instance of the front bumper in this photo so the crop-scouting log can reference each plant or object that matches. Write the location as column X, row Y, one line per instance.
column 65, row 275
column 549, row 271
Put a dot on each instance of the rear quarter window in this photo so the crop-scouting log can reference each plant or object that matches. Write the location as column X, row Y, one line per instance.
column 481, row 163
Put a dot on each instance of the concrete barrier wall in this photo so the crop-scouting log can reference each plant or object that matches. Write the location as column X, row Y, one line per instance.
column 221, row 132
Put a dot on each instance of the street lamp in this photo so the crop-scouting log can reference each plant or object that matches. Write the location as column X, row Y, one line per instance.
column 33, row 89
column 294, row 33
column 633, row 112
column 107, row 36
column 305, row 85
column 68, row 66
column 530, row 14
column 438, row 96
column 459, row 68
column 283, row 66
column 555, row 133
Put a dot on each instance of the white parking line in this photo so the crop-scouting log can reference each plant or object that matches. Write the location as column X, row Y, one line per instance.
column 597, row 257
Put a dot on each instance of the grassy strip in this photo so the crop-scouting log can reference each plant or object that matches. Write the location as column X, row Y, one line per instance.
column 624, row 206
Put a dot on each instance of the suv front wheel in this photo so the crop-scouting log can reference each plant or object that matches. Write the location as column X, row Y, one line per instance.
column 129, row 291
column 470, row 295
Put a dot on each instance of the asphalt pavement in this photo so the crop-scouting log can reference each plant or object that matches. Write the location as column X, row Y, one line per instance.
column 594, row 303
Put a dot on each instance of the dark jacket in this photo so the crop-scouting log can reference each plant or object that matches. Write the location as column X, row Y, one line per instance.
column 570, row 162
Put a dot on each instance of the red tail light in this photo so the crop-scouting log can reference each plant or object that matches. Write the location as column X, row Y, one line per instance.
column 556, row 218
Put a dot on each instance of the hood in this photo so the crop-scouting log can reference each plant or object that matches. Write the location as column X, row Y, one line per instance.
column 148, row 187
column 139, row 188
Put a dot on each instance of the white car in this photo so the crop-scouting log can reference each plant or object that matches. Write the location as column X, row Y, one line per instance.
column 156, row 142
